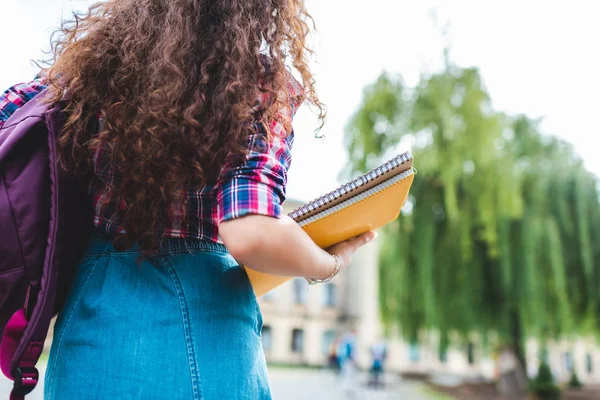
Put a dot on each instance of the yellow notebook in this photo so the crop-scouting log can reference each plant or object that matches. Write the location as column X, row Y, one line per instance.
column 366, row 203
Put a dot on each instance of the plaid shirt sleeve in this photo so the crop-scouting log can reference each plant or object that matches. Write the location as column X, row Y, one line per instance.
column 17, row 96
column 258, row 185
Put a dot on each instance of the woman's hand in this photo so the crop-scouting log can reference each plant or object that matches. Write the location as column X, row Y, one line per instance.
column 344, row 250
column 348, row 247
column 279, row 246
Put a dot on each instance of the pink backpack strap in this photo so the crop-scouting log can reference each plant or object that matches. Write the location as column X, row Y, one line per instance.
column 25, row 375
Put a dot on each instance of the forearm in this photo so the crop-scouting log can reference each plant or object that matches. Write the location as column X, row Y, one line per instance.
column 275, row 246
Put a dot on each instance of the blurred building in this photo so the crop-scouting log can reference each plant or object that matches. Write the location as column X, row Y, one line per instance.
column 300, row 325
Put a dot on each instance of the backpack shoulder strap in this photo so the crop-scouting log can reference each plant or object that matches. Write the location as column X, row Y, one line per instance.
column 21, row 122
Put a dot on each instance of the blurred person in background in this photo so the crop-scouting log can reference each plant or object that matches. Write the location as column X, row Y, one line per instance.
column 378, row 357
column 334, row 361
column 178, row 118
column 346, row 353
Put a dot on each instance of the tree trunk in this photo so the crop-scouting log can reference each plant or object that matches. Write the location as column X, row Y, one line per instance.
column 518, row 339
column 513, row 368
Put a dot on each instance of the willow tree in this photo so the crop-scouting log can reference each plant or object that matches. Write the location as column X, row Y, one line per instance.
column 499, row 233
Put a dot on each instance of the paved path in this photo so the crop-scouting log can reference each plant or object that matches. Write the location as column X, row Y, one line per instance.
column 301, row 384
column 325, row 385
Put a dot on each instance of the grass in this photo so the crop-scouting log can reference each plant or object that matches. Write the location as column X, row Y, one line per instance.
column 435, row 395
column 295, row 366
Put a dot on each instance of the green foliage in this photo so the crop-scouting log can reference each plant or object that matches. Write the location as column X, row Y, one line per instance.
column 500, row 236
column 546, row 391
column 543, row 385
column 544, row 374
column 574, row 382
column 382, row 113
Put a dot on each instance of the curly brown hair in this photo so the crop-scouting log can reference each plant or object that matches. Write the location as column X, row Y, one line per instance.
column 176, row 83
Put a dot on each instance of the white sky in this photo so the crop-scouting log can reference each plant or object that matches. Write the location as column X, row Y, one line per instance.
column 536, row 57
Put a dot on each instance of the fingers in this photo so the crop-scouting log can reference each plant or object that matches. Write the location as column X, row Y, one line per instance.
column 348, row 247
column 363, row 239
column 369, row 236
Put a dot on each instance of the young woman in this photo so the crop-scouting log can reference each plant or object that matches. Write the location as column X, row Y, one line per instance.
column 178, row 114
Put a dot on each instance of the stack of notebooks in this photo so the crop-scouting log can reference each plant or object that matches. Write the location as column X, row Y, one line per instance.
column 361, row 205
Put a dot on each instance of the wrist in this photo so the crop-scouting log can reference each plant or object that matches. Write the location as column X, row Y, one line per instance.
column 318, row 266
column 324, row 268
column 329, row 272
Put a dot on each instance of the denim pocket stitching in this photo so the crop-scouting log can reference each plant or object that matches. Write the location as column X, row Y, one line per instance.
column 59, row 339
column 187, row 328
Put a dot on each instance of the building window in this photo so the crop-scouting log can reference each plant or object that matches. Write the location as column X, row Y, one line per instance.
column 470, row 353
column 297, row 341
column 543, row 355
column 267, row 338
column 300, row 290
column 328, row 340
column 442, row 355
column 589, row 364
column 329, row 295
column 413, row 354
column 443, row 348
column 568, row 361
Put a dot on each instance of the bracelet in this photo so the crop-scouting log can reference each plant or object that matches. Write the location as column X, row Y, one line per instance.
column 336, row 270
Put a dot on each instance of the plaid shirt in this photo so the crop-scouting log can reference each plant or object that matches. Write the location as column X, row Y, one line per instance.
column 255, row 187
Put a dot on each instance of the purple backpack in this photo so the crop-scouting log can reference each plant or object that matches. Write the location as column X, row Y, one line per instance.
column 45, row 220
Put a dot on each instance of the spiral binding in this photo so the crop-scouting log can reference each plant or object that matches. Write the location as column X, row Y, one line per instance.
column 358, row 198
column 351, row 186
